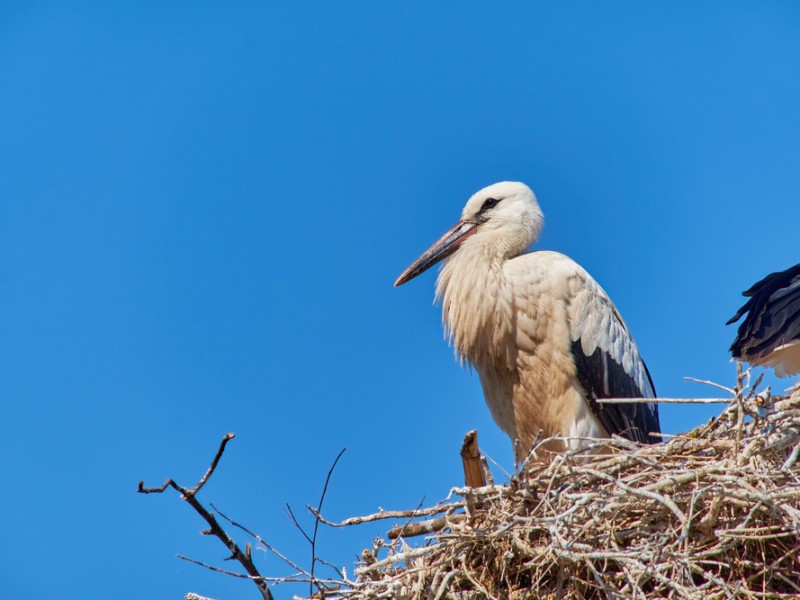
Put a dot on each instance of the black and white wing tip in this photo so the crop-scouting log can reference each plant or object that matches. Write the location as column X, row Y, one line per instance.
column 602, row 375
column 770, row 333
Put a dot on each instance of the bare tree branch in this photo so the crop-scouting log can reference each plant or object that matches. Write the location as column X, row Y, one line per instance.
column 296, row 578
column 401, row 528
column 316, row 523
column 665, row 400
column 296, row 523
column 382, row 515
column 189, row 494
column 408, row 530
column 261, row 541
column 712, row 384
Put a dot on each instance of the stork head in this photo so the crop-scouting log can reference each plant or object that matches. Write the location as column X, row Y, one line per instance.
column 503, row 218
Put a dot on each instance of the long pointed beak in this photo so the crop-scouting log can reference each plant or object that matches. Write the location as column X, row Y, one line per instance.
column 441, row 249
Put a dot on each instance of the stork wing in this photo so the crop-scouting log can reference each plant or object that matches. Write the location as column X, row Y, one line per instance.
column 773, row 316
column 608, row 362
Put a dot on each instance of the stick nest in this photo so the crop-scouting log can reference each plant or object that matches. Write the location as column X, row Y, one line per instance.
column 713, row 513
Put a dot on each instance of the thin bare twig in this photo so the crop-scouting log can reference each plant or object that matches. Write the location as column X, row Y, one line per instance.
column 312, row 540
column 261, row 542
column 382, row 515
column 297, row 578
column 170, row 482
column 712, row 384
column 408, row 530
column 290, row 513
column 664, row 400
column 189, row 495
column 408, row 522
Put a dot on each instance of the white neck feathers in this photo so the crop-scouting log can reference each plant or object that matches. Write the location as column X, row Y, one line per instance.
column 477, row 305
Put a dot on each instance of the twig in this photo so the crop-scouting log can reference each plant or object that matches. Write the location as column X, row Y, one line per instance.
column 712, row 384
column 295, row 522
column 317, row 519
column 791, row 459
column 408, row 522
column 297, row 578
column 218, row 570
column 408, row 530
column 393, row 559
column 170, row 482
column 382, row 515
column 189, row 494
column 261, row 541
column 505, row 473
column 664, row 400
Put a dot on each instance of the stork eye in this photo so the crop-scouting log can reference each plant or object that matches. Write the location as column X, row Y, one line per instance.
column 489, row 203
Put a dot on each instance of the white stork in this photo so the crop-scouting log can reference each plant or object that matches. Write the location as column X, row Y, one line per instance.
column 545, row 339
column 769, row 336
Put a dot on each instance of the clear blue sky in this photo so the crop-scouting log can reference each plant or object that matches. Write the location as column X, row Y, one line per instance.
column 203, row 208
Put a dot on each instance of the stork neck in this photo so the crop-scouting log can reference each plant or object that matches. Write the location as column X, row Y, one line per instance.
column 473, row 292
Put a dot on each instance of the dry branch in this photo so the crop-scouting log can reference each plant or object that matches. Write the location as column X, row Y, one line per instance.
column 313, row 539
column 189, row 494
column 474, row 474
column 664, row 400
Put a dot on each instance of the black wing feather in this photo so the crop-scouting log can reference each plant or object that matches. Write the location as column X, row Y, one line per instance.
column 773, row 315
column 603, row 377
